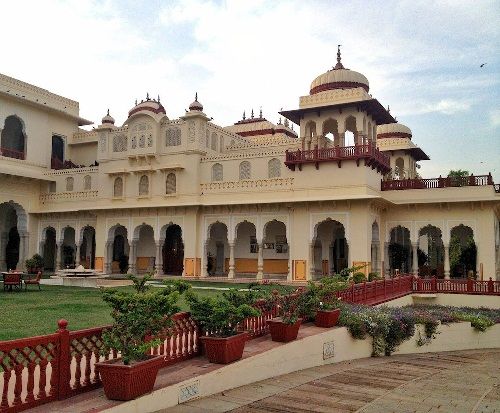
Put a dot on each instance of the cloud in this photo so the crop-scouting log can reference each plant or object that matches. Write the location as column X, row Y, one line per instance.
column 495, row 117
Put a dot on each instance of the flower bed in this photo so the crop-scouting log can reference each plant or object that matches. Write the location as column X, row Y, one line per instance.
column 389, row 327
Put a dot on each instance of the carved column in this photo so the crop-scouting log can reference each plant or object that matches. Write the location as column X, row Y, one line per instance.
column 342, row 138
column 159, row 258
column 108, row 257
column 447, row 261
column 204, row 260
column 387, row 263
column 231, row 272
column 59, row 256
column 414, row 246
column 260, row 261
column 132, row 264
column 23, row 249
column 77, row 254
column 3, row 245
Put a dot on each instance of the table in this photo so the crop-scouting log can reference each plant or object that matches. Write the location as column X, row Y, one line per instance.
column 13, row 279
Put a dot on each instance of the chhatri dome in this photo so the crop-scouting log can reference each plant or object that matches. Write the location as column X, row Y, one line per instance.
column 148, row 106
column 393, row 130
column 339, row 78
column 108, row 119
column 196, row 105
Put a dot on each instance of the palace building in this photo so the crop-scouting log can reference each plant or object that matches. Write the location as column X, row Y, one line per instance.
column 333, row 184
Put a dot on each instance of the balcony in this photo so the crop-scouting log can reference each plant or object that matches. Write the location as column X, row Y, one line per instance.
column 369, row 154
column 430, row 183
column 11, row 153
column 57, row 164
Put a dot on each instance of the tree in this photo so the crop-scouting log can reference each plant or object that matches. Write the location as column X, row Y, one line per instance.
column 459, row 173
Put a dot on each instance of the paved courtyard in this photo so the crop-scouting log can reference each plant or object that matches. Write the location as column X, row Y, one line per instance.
column 455, row 382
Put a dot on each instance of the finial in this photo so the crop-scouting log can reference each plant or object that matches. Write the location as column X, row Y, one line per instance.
column 279, row 122
column 388, row 109
column 260, row 114
column 339, row 64
column 158, row 98
column 107, row 113
column 147, row 96
column 136, row 102
column 252, row 113
column 196, row 97
column 244, row 116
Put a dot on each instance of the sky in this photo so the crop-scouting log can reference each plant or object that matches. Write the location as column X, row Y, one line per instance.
column 421, row 57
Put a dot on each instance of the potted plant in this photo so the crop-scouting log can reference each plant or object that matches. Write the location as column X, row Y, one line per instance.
column 138, row 317
column 285, row 328
column 219, row 318
column 321, row 302
column 34, row 264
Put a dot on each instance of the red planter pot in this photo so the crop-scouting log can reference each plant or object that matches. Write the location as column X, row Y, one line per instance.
column 123, row 382
column 224, row 350
column 327, row 318
column 283, row 332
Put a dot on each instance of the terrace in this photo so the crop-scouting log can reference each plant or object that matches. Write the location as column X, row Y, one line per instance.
column 431, row 183
column 368, row 153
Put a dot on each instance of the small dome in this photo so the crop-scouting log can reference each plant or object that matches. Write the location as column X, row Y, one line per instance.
column 393, row 130
column 108, row 119
column 339, row 78
column 148, row 105
column 196, row 105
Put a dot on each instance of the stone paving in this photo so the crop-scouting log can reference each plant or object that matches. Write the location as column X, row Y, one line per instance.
column 455, row 382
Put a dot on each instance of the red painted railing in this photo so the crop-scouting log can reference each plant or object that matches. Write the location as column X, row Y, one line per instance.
column 368, row 153
column 41, row 369
column 430, row 183
column 434, row 285
column 12, row 153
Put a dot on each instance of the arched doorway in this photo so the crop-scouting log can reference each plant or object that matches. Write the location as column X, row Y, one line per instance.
column 87, row 248
column 275, row 251
column 245, row 249
column 49, row 249
column 120, row 250
column 331, row 250
column 68, row 248
column 173, row 251
column 400, row 250
column 463, row 252
column 430, row 252
column 217, row 250
column 13, row 224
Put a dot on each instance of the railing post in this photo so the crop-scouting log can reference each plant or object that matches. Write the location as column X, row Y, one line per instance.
column 490, row 179
column 470, row 285
column 64, row 364
column 434, row 284
column 490, row 286
column 364, row 292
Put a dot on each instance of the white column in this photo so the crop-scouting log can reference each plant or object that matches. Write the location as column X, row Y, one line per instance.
column 231, row 272
column 312, row 264
column 159, row 258
column 132, row 264
column 447, row 261
column 77, row 253
column 387, row 264
column 204, row 260
column 23, row 249
column 108, row 257
column 414, row 246
column 59, row 256
column 260, row 261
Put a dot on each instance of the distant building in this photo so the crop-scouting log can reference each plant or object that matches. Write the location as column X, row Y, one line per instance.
column 254, row 199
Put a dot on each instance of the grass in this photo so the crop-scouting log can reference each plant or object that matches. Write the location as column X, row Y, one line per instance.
column 32, row 313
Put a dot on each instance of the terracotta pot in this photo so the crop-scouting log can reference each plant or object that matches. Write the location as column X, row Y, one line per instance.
column 123, row 382
column 327, row 318
column 224, row 350
column 283, row 332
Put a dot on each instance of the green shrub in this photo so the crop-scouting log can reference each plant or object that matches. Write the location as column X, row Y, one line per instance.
column 138, row 317
column 358, row 277
column 478, row 321
column 218, row 316
column 373, row 276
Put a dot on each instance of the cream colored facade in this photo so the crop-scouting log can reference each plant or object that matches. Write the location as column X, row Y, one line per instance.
column 187, row 196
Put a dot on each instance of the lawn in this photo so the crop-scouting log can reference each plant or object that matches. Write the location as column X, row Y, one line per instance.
column 31, row 313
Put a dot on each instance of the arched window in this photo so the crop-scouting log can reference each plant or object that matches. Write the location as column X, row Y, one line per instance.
column 173, row 137
column 245, row 170
column 217, row 172
column 87, row 183
column 399, row 171
column 118, row 188
column 274, row 168
column 144, row 185
column 13, row 138
column 69, row 184
column 213, row 145
column 171, row 184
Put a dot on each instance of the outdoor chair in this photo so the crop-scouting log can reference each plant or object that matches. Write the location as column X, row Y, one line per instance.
column 33, row 281
column 12, row 280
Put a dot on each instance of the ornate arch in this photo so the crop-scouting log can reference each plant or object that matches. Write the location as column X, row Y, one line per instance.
column 22, row 216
